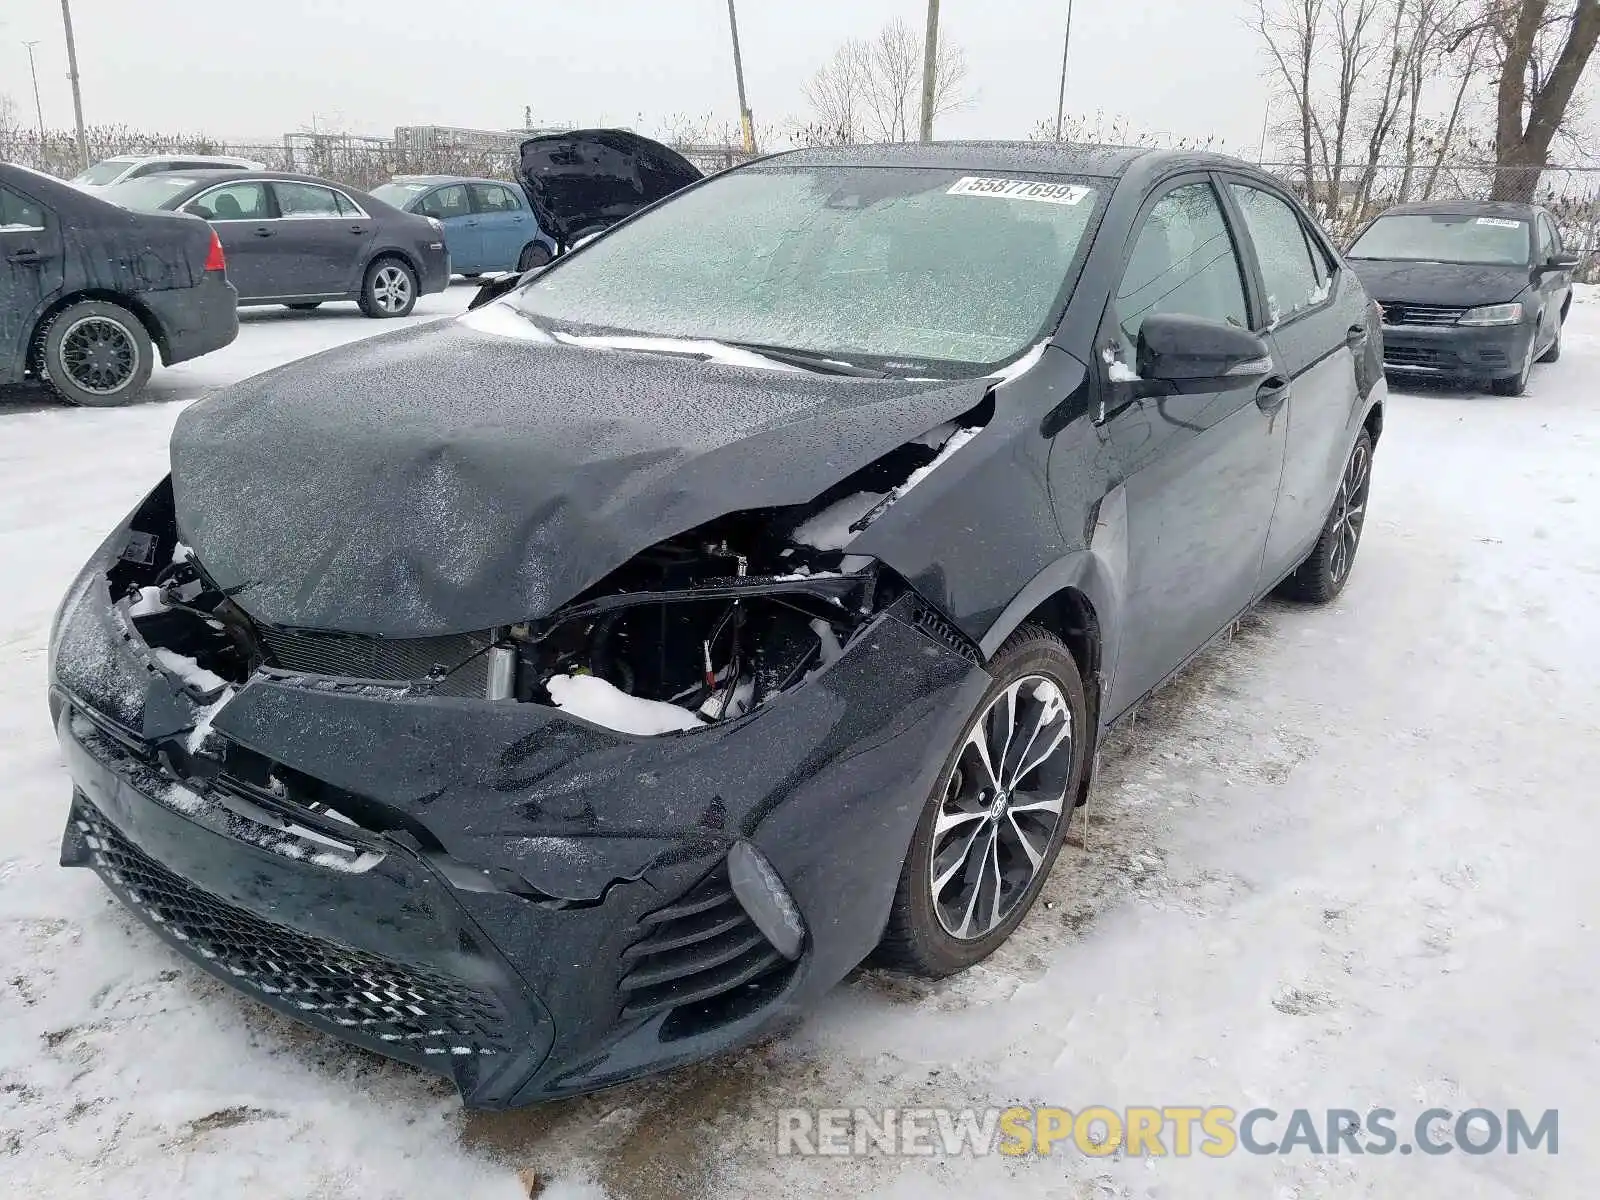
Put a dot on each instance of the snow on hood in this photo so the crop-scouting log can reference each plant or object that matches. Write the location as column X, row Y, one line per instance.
column 443, row 479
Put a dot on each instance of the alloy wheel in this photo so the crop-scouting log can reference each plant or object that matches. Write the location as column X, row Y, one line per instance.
column 99, row 355
column 391, row 289
column 1350, row 511
column 1001, row 806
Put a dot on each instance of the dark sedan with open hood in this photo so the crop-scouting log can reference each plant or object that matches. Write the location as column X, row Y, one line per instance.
column 744, row 593
column 1474, row 290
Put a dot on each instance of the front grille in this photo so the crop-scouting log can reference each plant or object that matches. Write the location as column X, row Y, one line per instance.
column 461, row 658
column 1411, row 356
column 411, row 1009
column 703, row 958
column 1397, row 313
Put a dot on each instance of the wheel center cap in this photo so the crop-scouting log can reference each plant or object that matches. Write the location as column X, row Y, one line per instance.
column 999, row 806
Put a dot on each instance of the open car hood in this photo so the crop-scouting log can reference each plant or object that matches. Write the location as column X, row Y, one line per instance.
column 446, row 479
column 591, row 178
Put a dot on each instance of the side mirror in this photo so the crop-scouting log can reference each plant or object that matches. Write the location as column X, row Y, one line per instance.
column 1195, row 354
column 1563, row 261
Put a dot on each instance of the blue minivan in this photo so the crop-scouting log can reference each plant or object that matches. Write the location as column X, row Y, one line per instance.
column 488, row 225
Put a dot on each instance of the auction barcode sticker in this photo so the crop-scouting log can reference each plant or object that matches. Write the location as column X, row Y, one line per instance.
column 1018, row 189
column 1499, row 222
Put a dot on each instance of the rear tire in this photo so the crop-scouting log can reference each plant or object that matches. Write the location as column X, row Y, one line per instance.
column 983, row 847
column 94, row 354
column 389, row 289
column 1327, row 568
column 534, row 254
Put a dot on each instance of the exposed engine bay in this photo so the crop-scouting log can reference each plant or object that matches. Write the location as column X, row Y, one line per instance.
column 700, row 628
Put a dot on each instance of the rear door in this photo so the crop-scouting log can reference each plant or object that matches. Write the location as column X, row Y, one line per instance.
column 321, row 250
column 1316, row 320
column 504, row 223
column 31, row 271
column 451, row 207
column 243, row 215
column 1200, row 470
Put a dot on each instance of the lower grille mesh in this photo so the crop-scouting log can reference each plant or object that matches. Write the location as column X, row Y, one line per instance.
column 352, row 656
column 409, row 1008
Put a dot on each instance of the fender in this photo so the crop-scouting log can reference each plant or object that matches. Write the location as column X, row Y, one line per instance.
column 1099, row 571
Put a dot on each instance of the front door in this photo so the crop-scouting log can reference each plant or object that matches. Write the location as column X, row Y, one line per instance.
column 322, row 248
column 246, row 225
column 450, row 207
column 1200, row 471
column 30, row 273
column 504, row 223
column 1317, row 322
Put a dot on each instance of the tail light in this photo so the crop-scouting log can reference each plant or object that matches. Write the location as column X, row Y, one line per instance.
column 214, row 259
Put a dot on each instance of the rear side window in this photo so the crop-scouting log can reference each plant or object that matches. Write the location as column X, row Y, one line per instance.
column 1183, row 261
column 234, row 202
column 18, row 214
column 305, row 200
column 1292, row 280
column 347, row 206
column 491, row 197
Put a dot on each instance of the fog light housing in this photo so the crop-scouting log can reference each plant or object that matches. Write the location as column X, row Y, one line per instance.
column 765, row 900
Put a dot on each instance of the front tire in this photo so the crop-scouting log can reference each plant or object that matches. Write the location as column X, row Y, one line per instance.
column 1326, row 569
column 389, row 289
column 94, row 354
column 992, row 828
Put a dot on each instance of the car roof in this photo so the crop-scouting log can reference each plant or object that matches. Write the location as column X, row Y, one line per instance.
column 216, row 174
column 1463, row 208
column 1060, row 158
column 447, row 179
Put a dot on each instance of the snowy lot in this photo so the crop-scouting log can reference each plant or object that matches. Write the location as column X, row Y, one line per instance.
column 1346, row 861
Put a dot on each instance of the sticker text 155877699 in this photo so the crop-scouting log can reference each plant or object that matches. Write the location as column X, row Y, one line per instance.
column 1018, row 189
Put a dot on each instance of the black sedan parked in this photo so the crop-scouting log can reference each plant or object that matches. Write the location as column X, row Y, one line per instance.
column 299, row 241
column 90, row 293
column 1474, row 290
column 748, row 596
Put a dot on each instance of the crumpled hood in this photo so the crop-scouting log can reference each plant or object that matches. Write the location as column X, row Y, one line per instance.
column 443, row 479
column 1439, row 283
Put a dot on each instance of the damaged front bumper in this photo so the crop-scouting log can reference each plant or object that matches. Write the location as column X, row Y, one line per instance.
column 527, row 902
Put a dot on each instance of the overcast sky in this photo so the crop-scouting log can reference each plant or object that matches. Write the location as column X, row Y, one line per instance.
column 265, row 69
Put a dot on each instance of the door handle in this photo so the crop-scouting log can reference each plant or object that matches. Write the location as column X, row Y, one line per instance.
column 262, row 231
column 358, row 229
column 1272, row 394
column 1355, row 336
column 26, row 256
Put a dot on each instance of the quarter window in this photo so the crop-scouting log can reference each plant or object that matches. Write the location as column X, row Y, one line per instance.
column 1183, row 261
column 18, row 214
column 245, row 201
column 1292, row 281
column 305, row 200
column 347, row 206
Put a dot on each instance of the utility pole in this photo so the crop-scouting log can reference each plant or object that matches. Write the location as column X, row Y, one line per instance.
column 38, row 108
column 72, row 74
column 747, row 121
column 930, row 69
column 1061, row 100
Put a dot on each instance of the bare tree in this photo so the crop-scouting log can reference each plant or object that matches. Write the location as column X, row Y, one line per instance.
column 1291, row 35
column 871, row 90
column 1543, row 50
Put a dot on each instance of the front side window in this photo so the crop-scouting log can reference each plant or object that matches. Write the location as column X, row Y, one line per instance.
column 1549, row 242
column 491, row 197
column 1183, row 261
column 903, row 265
column 1445, row 238
column 245, row 201
column 305, row 200
column 446, row 202
column 18, row 214
column 1284, row 252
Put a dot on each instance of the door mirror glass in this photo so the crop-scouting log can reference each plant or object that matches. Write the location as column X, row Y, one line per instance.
column 1561, row 261
column 1196, row 354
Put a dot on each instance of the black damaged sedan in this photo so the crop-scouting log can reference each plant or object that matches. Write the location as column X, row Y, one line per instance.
column 570, row 690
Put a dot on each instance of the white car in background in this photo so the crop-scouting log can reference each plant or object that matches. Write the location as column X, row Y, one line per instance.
column 122, row 167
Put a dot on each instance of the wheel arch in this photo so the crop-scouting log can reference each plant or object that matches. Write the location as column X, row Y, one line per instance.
column 1373, row 422
column 60, row 304
column 404, row 256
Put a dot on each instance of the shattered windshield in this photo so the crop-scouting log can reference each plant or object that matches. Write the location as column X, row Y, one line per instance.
column 1454, row 238
column 896, row 265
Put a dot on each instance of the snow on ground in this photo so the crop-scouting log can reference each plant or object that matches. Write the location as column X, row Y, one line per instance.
column 1346, row 860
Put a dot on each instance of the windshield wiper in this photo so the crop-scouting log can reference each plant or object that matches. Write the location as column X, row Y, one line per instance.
column 819, row 363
